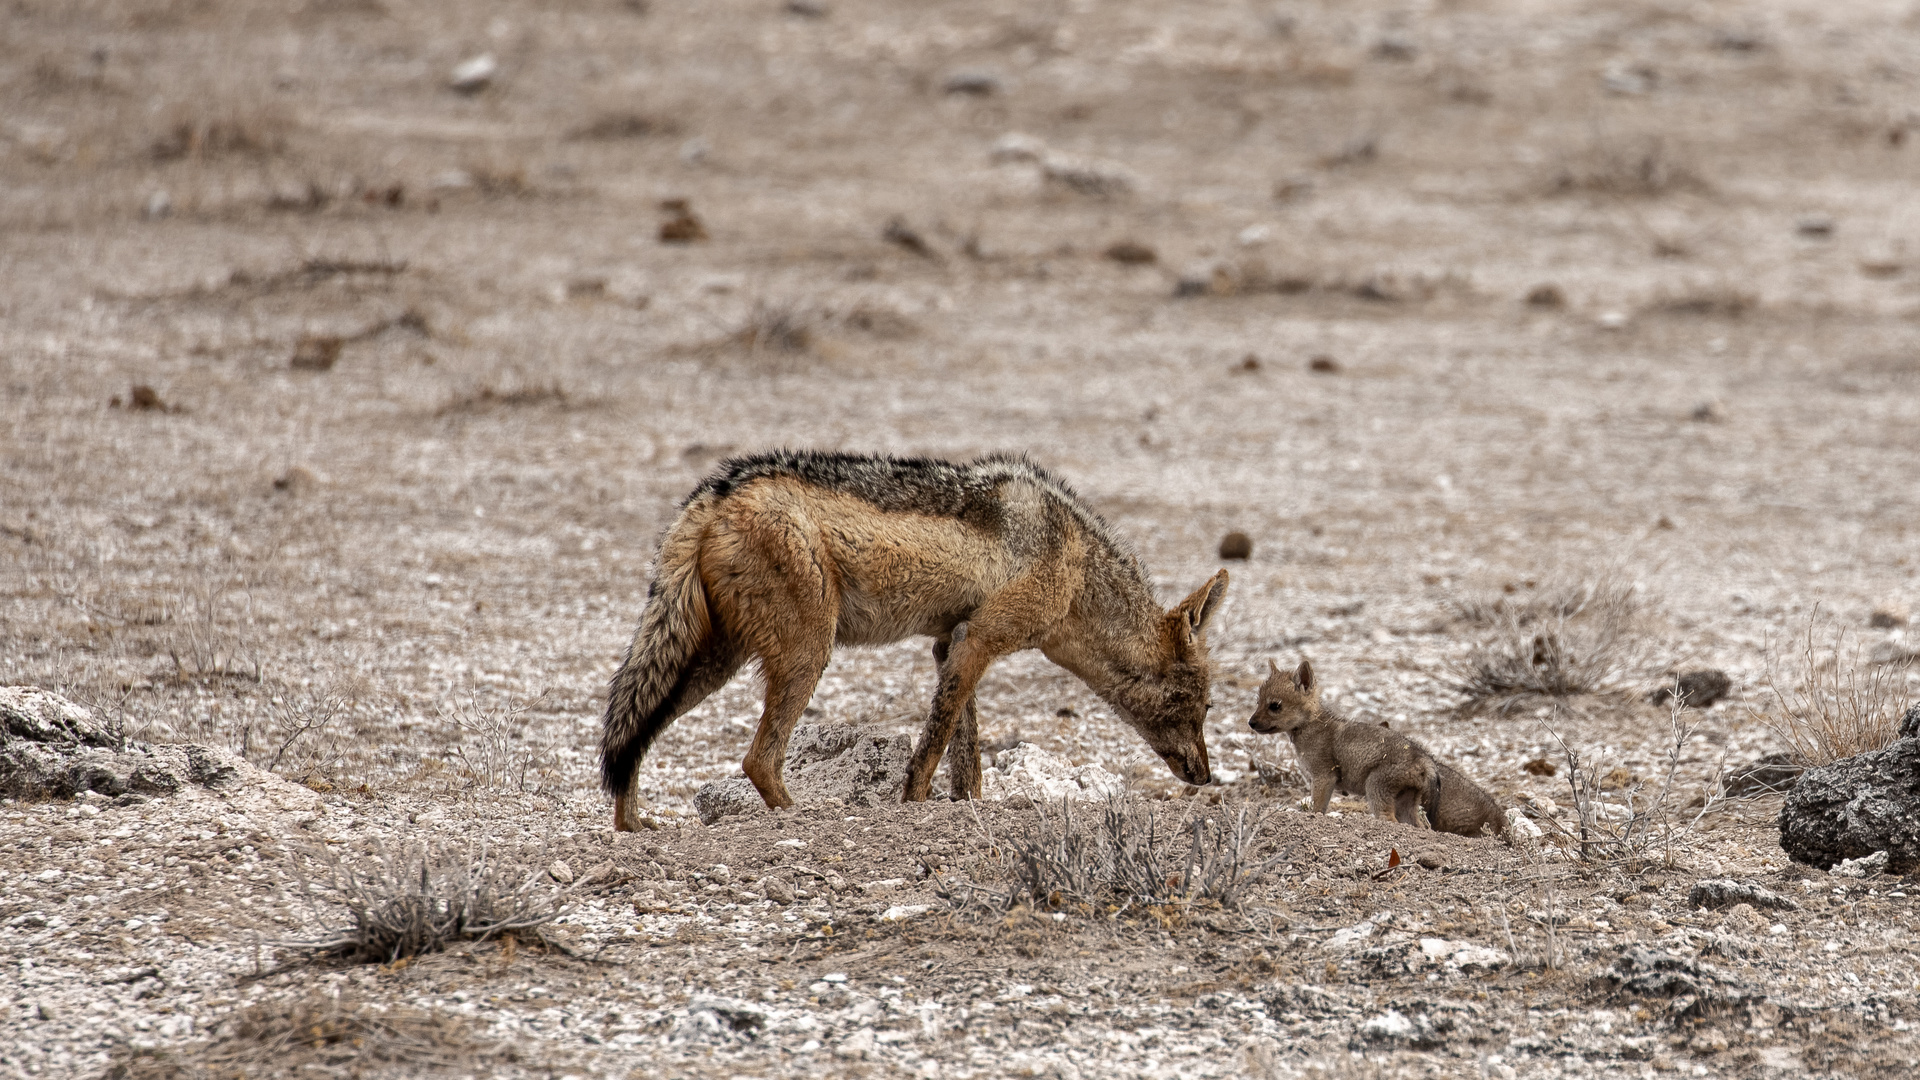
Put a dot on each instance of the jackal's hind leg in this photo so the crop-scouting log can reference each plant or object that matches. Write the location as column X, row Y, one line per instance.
column 789, row 688
column 967, row 661
column 963, row 755
column 709, row 672
column 963, row 758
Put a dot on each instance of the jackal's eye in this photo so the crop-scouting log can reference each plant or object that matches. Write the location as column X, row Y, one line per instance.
column 1273, row 706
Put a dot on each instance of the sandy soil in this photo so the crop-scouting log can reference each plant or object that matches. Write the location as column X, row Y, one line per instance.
column 1447, row 303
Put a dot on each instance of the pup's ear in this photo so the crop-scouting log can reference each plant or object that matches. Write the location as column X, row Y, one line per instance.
column 1303, row 676
column 1272, row 668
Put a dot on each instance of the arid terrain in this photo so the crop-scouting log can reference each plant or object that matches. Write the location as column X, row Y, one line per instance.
column 357, row 352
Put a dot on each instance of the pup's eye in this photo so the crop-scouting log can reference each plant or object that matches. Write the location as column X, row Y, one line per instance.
column 1273, row 706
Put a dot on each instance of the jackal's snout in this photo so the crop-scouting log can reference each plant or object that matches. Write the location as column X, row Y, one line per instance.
column 1190, row 766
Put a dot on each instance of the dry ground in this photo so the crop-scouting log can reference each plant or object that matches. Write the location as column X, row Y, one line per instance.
column 425, row 385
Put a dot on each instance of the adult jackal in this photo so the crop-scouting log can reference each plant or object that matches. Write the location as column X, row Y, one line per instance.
column 781, row 556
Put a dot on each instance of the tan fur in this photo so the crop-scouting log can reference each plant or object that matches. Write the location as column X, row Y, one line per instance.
column 782, row 569
column 1390, row 770
column 1455, row 804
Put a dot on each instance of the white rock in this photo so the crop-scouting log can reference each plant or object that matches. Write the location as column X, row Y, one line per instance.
column 1348, row 937
column 857, row 1047
column 1865, row 866
column 1520, row 824
column 1027, row 770
column 474, row 74
column 1015, row 146
column 899, row 912
column 561, row 872
column 1388, row 1025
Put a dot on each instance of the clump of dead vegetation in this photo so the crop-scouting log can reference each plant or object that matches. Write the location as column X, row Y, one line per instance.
column 1125, row 854
column 317, row 1034
column 1624, row 819
column 1557, row 642
column 487, row 398
column 422, row 900
column 1838, row 703
column 1629, row 168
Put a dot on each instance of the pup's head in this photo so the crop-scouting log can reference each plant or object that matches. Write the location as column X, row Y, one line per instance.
column 1288, row 699
column 1169, row 707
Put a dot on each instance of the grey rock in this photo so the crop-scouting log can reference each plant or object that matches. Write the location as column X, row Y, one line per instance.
column 824, row 761
column 51, row 747
column 1766, row 776
column 1910, row 723
column 1724, row 893
column 1695, row 689
column 1858, row 806
column 35, row 715
column 1696, row 989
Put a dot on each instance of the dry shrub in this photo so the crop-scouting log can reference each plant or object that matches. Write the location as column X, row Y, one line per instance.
column 222, row 132
column 622, row 125
column 488, row 399
column 1128, row 852
column 1559, row 642
column 494, row 751
column 1622, row 818
column 317, row 1035
column 1642, row 168
column 421, row 901
column 1840, row 705
column 1724, row 301
column 777, row 328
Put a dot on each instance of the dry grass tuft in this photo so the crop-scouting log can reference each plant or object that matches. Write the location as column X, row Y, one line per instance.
column 225, row 133
column 494, row 751
column 1621, row 818
column 1559, row 642
column 1722, row 301
column 1128, row 853
column 1840, row 705
column 622, row 125
column 1642, row 169
column 774, row 332
column 488, row 399
column 317, row 1035
column 422, row 901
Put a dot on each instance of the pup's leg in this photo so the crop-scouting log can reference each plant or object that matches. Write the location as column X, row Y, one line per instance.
column 1322, row 792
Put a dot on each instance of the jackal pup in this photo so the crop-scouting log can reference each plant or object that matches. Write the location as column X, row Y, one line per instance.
column 1455, row 804
column 781, row 556
column 1391, row 770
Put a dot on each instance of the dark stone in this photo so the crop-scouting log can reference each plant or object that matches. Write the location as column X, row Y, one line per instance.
column 1767, row 776
column 1236, row 545
column 53, row 748
column 1724, row 893
column 1697, row 689
column 1858, row 806
column 1910, row 723
column 1695, row 989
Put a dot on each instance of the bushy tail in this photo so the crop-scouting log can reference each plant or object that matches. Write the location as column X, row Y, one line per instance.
column 675, row 628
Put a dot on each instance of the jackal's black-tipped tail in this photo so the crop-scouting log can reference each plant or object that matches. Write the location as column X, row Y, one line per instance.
column 665, row 657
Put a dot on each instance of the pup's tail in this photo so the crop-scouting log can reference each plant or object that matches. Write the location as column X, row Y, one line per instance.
column 675, row 628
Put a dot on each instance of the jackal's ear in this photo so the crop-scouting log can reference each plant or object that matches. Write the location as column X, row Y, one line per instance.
column 1200, row 606
column 1303, row 676
column 1272, row 668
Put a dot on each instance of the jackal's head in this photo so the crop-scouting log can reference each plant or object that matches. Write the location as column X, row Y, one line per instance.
column 1288, row 699
column 1169, row 707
